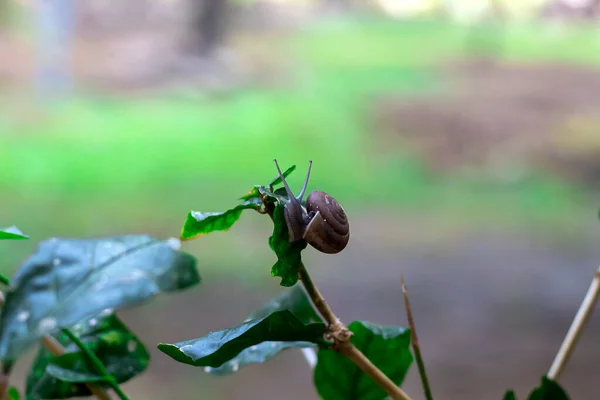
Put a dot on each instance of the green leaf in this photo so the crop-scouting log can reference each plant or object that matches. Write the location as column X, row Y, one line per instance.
column 217, row 348
column 121, row 352
column 337, row 378
column 278, row 180
column 65, row 368
column 289, row 257
column 12, row 233
column 257, row 189
column 201, row 223
column 293, row 300
column 510, row 395
column 548, row 390
column 252, row 194
column 13, row 393
column 68, row 280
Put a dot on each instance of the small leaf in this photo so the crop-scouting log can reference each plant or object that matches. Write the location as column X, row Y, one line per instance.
column 201, row 223
column 68, row 280
column 217, row 348
column 548, row 390
column 13, row 393
column 252, row 194
column 12, row 233
column 278, row 180
column 289, row 257
column 256, row 190
column 293, row 300
column 337, row 378
column 121, row 352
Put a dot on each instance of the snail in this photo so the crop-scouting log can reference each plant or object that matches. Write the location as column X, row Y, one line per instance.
column 323, row 224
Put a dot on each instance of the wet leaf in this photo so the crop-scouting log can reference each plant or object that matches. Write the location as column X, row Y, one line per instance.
column 217, row 348
column 121, row 352
column 293, row 300
column 337, row 378
column 12, row 233
column 201, row 223
column 289, row 255
column 68, row 280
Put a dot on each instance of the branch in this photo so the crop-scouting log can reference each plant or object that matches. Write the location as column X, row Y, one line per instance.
column 576, row 329
column 56, row 349
column 415, row 343
column 340, row 334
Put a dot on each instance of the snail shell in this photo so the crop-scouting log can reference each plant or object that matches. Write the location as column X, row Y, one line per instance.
column 323, row 224
column 328, row 229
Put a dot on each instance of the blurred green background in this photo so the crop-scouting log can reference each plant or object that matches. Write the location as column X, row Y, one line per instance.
column 466, row 155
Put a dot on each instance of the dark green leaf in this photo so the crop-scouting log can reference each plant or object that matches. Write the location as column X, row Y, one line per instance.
column 201, row 223
column 12, row 233
column 337, row 378
column 121, row 352
column 259, row 353
column 548, row 390
column 68, row 280
column 13, row 393
column 278, row 180
column 293, row 300
column 510, row 395
column 289, row 257
column 66, row 368
column 217, row 348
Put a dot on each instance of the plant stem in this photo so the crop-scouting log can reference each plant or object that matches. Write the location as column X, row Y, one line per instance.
column 97, row 364
column 56, row 349
column 583, row 314
column 317, row 298
column 338, row 332
column 341, row 335
column 415, row 343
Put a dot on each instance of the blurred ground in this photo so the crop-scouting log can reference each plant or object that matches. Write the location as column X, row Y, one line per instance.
column 467, row 160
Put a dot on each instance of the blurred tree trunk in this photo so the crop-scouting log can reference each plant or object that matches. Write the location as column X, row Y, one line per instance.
column 209, row 26
column 592, row 9
column 5, row 10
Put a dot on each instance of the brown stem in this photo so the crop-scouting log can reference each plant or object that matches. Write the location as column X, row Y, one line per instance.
column 340, row 334
column 415, row 343
column 56, row 349
column 576, row 329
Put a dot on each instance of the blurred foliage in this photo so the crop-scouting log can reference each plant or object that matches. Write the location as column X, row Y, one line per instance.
column 149, row 160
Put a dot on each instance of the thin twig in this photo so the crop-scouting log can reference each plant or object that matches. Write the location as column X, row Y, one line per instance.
column 97, row 364
column 583, row 314
column 340, row 334
column 415, row 343
column 56, row 349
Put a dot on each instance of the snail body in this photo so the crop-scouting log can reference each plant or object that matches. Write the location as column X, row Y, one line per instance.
column 323, row 224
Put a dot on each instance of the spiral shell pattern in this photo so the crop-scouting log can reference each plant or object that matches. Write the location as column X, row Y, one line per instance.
column 329, row 231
